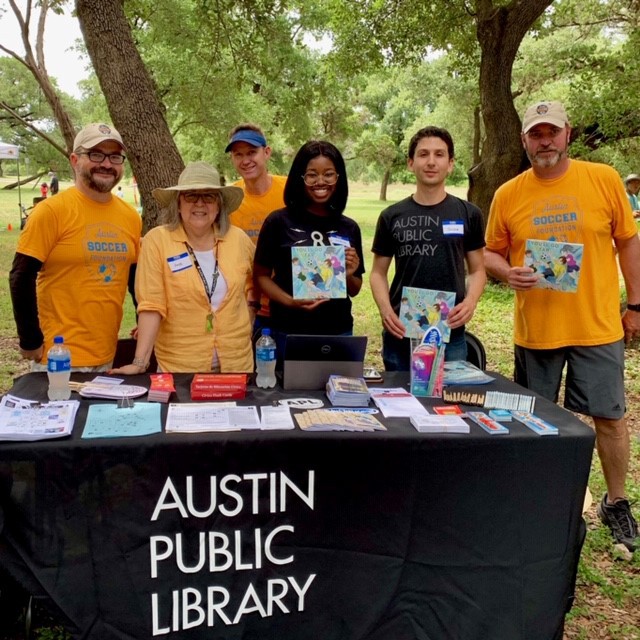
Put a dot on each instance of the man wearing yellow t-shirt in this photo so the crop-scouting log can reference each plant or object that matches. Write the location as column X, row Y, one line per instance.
column 570, row 202
column 263, row 192
column 72, row 264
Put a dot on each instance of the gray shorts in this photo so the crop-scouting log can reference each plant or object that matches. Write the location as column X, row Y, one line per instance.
column 594, row 384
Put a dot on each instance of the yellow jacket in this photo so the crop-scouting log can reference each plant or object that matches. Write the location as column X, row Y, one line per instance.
column 183, row 343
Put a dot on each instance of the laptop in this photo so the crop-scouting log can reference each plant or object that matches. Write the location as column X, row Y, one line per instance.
column 310, row 360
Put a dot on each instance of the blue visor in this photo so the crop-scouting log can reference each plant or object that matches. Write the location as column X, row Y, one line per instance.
column 249, row 136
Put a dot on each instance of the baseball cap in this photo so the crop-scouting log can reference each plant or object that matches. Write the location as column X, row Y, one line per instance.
column 544, row 112
column 95, row 133
column 254, row 138
column 631, row 177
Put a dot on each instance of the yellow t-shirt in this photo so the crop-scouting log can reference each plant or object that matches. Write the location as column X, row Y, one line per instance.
column 86, row 248
column 586, row 205
column 254, row 209
column 252, row 212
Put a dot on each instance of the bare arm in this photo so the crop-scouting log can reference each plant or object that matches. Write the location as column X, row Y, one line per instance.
column 518, row 278
column 629, row 257
column 380, row 290
column 477, row 278
column 148, row 325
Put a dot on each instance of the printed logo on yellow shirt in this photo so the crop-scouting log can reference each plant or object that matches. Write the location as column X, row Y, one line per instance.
column 557, row 218
column 106, row 252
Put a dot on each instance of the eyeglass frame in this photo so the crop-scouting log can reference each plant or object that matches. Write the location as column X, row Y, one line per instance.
column 121, row 157
column 188, row 195
column 324, row 179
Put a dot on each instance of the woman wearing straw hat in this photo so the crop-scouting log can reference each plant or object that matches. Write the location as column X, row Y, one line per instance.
column 193, row 282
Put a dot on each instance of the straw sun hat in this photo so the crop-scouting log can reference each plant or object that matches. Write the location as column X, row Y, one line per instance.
column 199, row 176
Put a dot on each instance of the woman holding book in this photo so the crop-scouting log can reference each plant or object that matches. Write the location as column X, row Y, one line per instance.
column 315, row 196
column 193, row 283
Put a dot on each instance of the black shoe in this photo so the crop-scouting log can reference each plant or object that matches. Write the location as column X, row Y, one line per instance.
column 619, row 519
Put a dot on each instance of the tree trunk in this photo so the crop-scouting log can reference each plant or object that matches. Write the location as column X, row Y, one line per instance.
column 385, row 183
column 134, row 106
column 500, row 32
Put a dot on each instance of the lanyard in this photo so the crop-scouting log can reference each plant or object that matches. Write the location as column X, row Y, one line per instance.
column 216, row 273
column 214, row 281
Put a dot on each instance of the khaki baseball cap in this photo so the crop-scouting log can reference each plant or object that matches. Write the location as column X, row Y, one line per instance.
column 544, row 112
column 95, row 133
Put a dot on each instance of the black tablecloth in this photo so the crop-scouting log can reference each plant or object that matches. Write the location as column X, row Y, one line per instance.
column 390, row 535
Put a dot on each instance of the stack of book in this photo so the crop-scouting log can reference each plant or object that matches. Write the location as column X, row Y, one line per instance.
column 219, row 386
column 347, row 392
column 161, row 387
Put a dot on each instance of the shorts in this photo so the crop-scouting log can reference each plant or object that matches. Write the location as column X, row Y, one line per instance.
column 594, row 384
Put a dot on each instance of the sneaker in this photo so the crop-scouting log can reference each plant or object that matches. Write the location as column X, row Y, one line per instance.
column 619, row 519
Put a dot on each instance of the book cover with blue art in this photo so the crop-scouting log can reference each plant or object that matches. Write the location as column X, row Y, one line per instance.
column 557, row 264
column 318, row 272
column 424, row 308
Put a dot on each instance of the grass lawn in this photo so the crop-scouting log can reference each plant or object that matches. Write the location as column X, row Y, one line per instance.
column 608, row 593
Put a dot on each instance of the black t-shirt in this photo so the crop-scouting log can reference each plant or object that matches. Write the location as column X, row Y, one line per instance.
column 429, row 244
column 280, row 231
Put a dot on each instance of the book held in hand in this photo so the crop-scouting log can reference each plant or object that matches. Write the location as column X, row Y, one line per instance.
column 555, row 264
column 318, row 272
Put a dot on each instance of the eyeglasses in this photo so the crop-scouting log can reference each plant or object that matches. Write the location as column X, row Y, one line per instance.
column 98, row 156
column 328, row 178
column 193, row 196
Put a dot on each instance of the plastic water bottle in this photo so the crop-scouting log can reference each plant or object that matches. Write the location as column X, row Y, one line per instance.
column 266, row 360
column 59, row 370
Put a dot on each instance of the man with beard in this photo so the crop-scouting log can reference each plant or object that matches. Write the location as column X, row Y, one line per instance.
column 73, row 261
column 570, row 201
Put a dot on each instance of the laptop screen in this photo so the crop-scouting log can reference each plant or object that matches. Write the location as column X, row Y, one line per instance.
column 309, row 360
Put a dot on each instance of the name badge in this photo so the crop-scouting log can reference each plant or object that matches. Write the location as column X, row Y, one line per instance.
column 179, row 263
column 453, row 227
column 339, row 241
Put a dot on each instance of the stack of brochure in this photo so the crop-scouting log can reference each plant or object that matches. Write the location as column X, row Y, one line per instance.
column 397, row 403
column 439, row 424
column 462, row 372
column 331, row 420
column 161, row 387
column 347, row 392
column 22, row 419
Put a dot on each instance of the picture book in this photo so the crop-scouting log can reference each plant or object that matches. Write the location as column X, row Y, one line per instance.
column 318, row 272
column 557, row 264
column 424, row 308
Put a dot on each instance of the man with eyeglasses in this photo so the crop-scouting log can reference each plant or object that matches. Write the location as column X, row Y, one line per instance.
column 73, row 261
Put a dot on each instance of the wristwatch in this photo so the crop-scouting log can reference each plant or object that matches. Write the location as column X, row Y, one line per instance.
column 633, row 307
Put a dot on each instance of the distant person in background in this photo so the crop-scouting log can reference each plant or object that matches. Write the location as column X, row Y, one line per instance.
column 44, row 190
column 193, row 282
column 53, row 183
column 315, row 198
column 632, row 186
column 263, row 193
column 78, row 247
column 120, row 192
